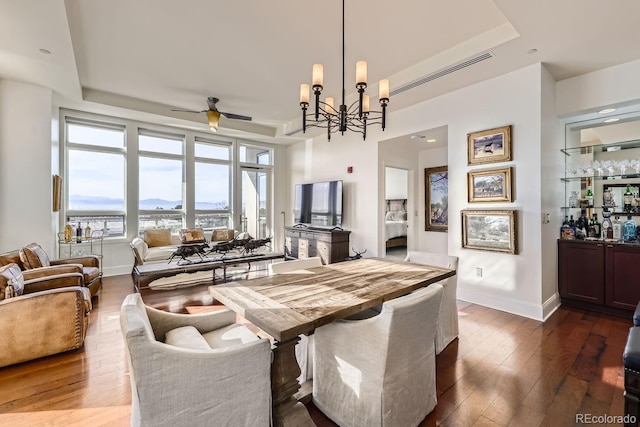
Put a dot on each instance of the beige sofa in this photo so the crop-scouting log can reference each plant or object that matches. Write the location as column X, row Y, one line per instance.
column 157, row 245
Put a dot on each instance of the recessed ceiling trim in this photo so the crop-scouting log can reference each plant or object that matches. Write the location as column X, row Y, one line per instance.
column 445, row 71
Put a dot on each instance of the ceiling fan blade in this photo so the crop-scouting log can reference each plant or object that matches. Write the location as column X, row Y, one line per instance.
column 188, row 111
column 235, row 116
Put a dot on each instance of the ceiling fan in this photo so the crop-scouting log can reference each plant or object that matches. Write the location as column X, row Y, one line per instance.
column 213, row 115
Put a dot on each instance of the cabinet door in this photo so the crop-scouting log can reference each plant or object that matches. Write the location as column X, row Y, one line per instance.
column 622, row 276
column 291, row 246
column 581, row 271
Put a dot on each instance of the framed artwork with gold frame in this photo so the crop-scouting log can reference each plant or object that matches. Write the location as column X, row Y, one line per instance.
column 489, row 146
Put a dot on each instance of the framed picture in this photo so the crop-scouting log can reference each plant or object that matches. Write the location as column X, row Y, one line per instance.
column 436, row 193
column 490, row 230
column 489, row 185
column 489, row 146
column 57, row 193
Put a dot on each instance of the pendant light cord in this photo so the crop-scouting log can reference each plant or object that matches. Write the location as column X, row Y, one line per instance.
column 343, row 49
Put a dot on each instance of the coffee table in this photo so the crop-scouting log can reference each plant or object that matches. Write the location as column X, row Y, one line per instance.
column 146, row 273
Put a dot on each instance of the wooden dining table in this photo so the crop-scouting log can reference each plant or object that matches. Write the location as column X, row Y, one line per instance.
column 288, row 305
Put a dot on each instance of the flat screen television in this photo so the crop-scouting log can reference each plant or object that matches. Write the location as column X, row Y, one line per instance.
column 318, row 204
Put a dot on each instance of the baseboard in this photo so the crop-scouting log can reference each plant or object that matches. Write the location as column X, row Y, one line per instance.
column 519, row 308
column 550, row 306
column 117, row 270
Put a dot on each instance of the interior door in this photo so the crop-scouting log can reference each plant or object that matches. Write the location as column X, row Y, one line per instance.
column 255, row 210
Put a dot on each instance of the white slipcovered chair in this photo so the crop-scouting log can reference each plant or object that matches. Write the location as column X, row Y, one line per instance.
column 195, row 369
column 448, row 316
column 379, row 371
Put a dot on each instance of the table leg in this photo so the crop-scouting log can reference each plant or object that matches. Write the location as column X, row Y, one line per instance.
column 287, row 411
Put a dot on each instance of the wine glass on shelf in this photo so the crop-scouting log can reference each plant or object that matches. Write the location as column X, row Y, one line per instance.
column 599, row 167
column 610, row 166
column 635, row 164
column 623, row 165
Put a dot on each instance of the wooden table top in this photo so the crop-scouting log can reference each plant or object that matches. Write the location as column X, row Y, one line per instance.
column 287, row 305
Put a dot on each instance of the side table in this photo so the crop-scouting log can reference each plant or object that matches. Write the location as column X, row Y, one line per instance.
column 88, row 245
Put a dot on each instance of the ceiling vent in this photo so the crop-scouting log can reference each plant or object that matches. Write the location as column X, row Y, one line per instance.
column 430, row 77
column 446, row 71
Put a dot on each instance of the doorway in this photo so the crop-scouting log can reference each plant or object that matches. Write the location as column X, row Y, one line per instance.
column 254, row 217
column 396, row 224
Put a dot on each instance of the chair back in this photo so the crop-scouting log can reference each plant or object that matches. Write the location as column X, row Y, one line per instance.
column 402, row 317
column 430, row 258
column 293, row 265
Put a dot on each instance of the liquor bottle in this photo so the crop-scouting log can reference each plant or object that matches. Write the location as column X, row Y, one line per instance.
column 87, row 232
column 589, row 196
column 607, row 230
column 628, row 198
column 616, row 226
column 572, row 222
column 566, row 220
column 68, row 232
column 629, row 229
column 597, row 232
column 79, row 233
column 591, row 231
column 582, row 222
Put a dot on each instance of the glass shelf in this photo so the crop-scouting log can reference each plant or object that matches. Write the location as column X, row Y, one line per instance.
column 601, row 178
column 622, row 145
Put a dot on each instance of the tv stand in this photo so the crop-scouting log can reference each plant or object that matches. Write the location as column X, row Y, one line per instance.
column 331, row 245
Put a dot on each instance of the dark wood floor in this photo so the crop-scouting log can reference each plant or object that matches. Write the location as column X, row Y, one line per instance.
column 504, row 370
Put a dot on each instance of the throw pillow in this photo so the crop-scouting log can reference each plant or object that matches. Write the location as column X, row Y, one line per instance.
column 11, row 281
column 33, row 256
column 157, row 237
column 389, row 216
column 192, row 235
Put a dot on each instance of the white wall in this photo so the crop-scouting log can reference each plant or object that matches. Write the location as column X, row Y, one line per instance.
column 25, row 166
column 616, row 85
column 396, row 183
column 510, row 282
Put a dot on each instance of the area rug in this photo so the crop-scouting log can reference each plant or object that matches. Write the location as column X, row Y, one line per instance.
column 182, row 280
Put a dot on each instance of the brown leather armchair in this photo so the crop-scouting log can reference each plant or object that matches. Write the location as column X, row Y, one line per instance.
column 33, row 258
column 41, row 315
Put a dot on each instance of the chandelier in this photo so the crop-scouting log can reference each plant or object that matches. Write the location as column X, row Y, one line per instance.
column 354, row 118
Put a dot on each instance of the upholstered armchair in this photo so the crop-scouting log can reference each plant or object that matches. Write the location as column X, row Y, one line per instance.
column 195, row 369
column 33, row 257
column 41, row 315
column 379, row 371
column 448, row 316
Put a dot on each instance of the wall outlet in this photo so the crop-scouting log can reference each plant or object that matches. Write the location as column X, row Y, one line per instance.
column 479, row 271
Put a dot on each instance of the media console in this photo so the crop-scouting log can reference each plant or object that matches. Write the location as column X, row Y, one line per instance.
column 331, row 245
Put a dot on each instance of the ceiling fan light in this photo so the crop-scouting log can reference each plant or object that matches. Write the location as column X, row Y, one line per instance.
column 214, row 120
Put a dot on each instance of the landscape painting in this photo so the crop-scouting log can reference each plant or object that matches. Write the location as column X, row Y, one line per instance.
column 489, row 146
column 489, row 185
column 489, row 230
column 436, row 199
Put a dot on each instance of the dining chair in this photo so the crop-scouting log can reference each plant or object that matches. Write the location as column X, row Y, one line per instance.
column 448, row 315
column 194, row 369
column 379, row 371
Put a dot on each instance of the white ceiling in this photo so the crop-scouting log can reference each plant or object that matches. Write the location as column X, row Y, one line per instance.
column 153, row 55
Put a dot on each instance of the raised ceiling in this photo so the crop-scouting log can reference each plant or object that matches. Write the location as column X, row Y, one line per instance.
column 151, row 55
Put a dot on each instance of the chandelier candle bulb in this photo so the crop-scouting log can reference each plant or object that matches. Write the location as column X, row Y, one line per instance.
column 361, row 73
column 317, row 79
column 304, row 94
column 383, row 90
column 365, row 104
column 329, row 108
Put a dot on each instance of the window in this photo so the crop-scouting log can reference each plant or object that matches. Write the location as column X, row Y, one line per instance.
column 95, row 175
column 212, row 185
column 160, row 181
column 128, row 176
